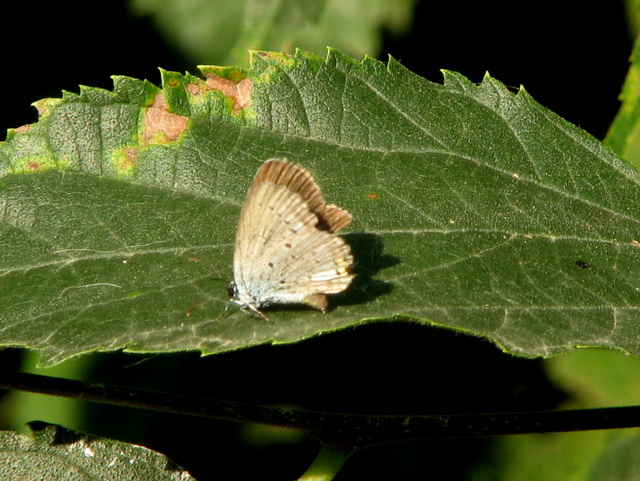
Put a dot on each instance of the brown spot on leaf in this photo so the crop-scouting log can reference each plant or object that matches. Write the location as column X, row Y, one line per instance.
column 22, row 129
column 34, row 166
column 372, row 196
column 239, row 92
column 45, row 106
column 40, row 107
column 162, row 126
column 196, row 88
column 130, row 159
column 273, row 55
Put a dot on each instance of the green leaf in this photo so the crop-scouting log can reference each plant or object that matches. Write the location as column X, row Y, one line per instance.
column 619, row 463
column 624, row 134
column 57, row 453
column 223, row 31
column 475, row 209
column 632, row 8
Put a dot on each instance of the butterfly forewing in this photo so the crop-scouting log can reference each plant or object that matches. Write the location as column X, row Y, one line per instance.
column 294, row 178
column 300, row 181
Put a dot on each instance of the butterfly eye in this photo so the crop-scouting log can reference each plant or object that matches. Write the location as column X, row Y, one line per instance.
column 232, row 290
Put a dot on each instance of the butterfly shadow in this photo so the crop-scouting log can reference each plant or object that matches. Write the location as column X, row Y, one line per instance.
column 368, row 252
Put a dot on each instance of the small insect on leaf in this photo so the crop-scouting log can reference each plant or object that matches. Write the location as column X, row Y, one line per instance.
column 285, row 251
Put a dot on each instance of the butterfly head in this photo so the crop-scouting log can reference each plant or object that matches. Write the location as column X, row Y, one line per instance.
column 247, row 303
column 232, row 290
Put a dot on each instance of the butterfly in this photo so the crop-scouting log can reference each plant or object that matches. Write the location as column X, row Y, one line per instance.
column 285, row 251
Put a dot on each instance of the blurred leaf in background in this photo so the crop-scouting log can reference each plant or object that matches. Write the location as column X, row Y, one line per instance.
column 221, row 32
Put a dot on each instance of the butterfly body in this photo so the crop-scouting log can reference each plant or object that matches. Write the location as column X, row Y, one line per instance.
column 285, row 250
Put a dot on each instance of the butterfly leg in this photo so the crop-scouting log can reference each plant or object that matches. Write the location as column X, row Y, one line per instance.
column 317, row 301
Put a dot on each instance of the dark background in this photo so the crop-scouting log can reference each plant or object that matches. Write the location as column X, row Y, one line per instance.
column 571, row 58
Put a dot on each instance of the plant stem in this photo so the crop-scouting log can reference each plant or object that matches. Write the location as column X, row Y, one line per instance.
column 326, row 465
column 348, row 431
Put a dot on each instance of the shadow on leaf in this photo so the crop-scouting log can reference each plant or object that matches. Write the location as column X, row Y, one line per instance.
column 367, row 250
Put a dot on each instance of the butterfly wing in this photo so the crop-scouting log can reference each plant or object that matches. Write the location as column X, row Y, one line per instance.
column 281, row 253
column 300, row 181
